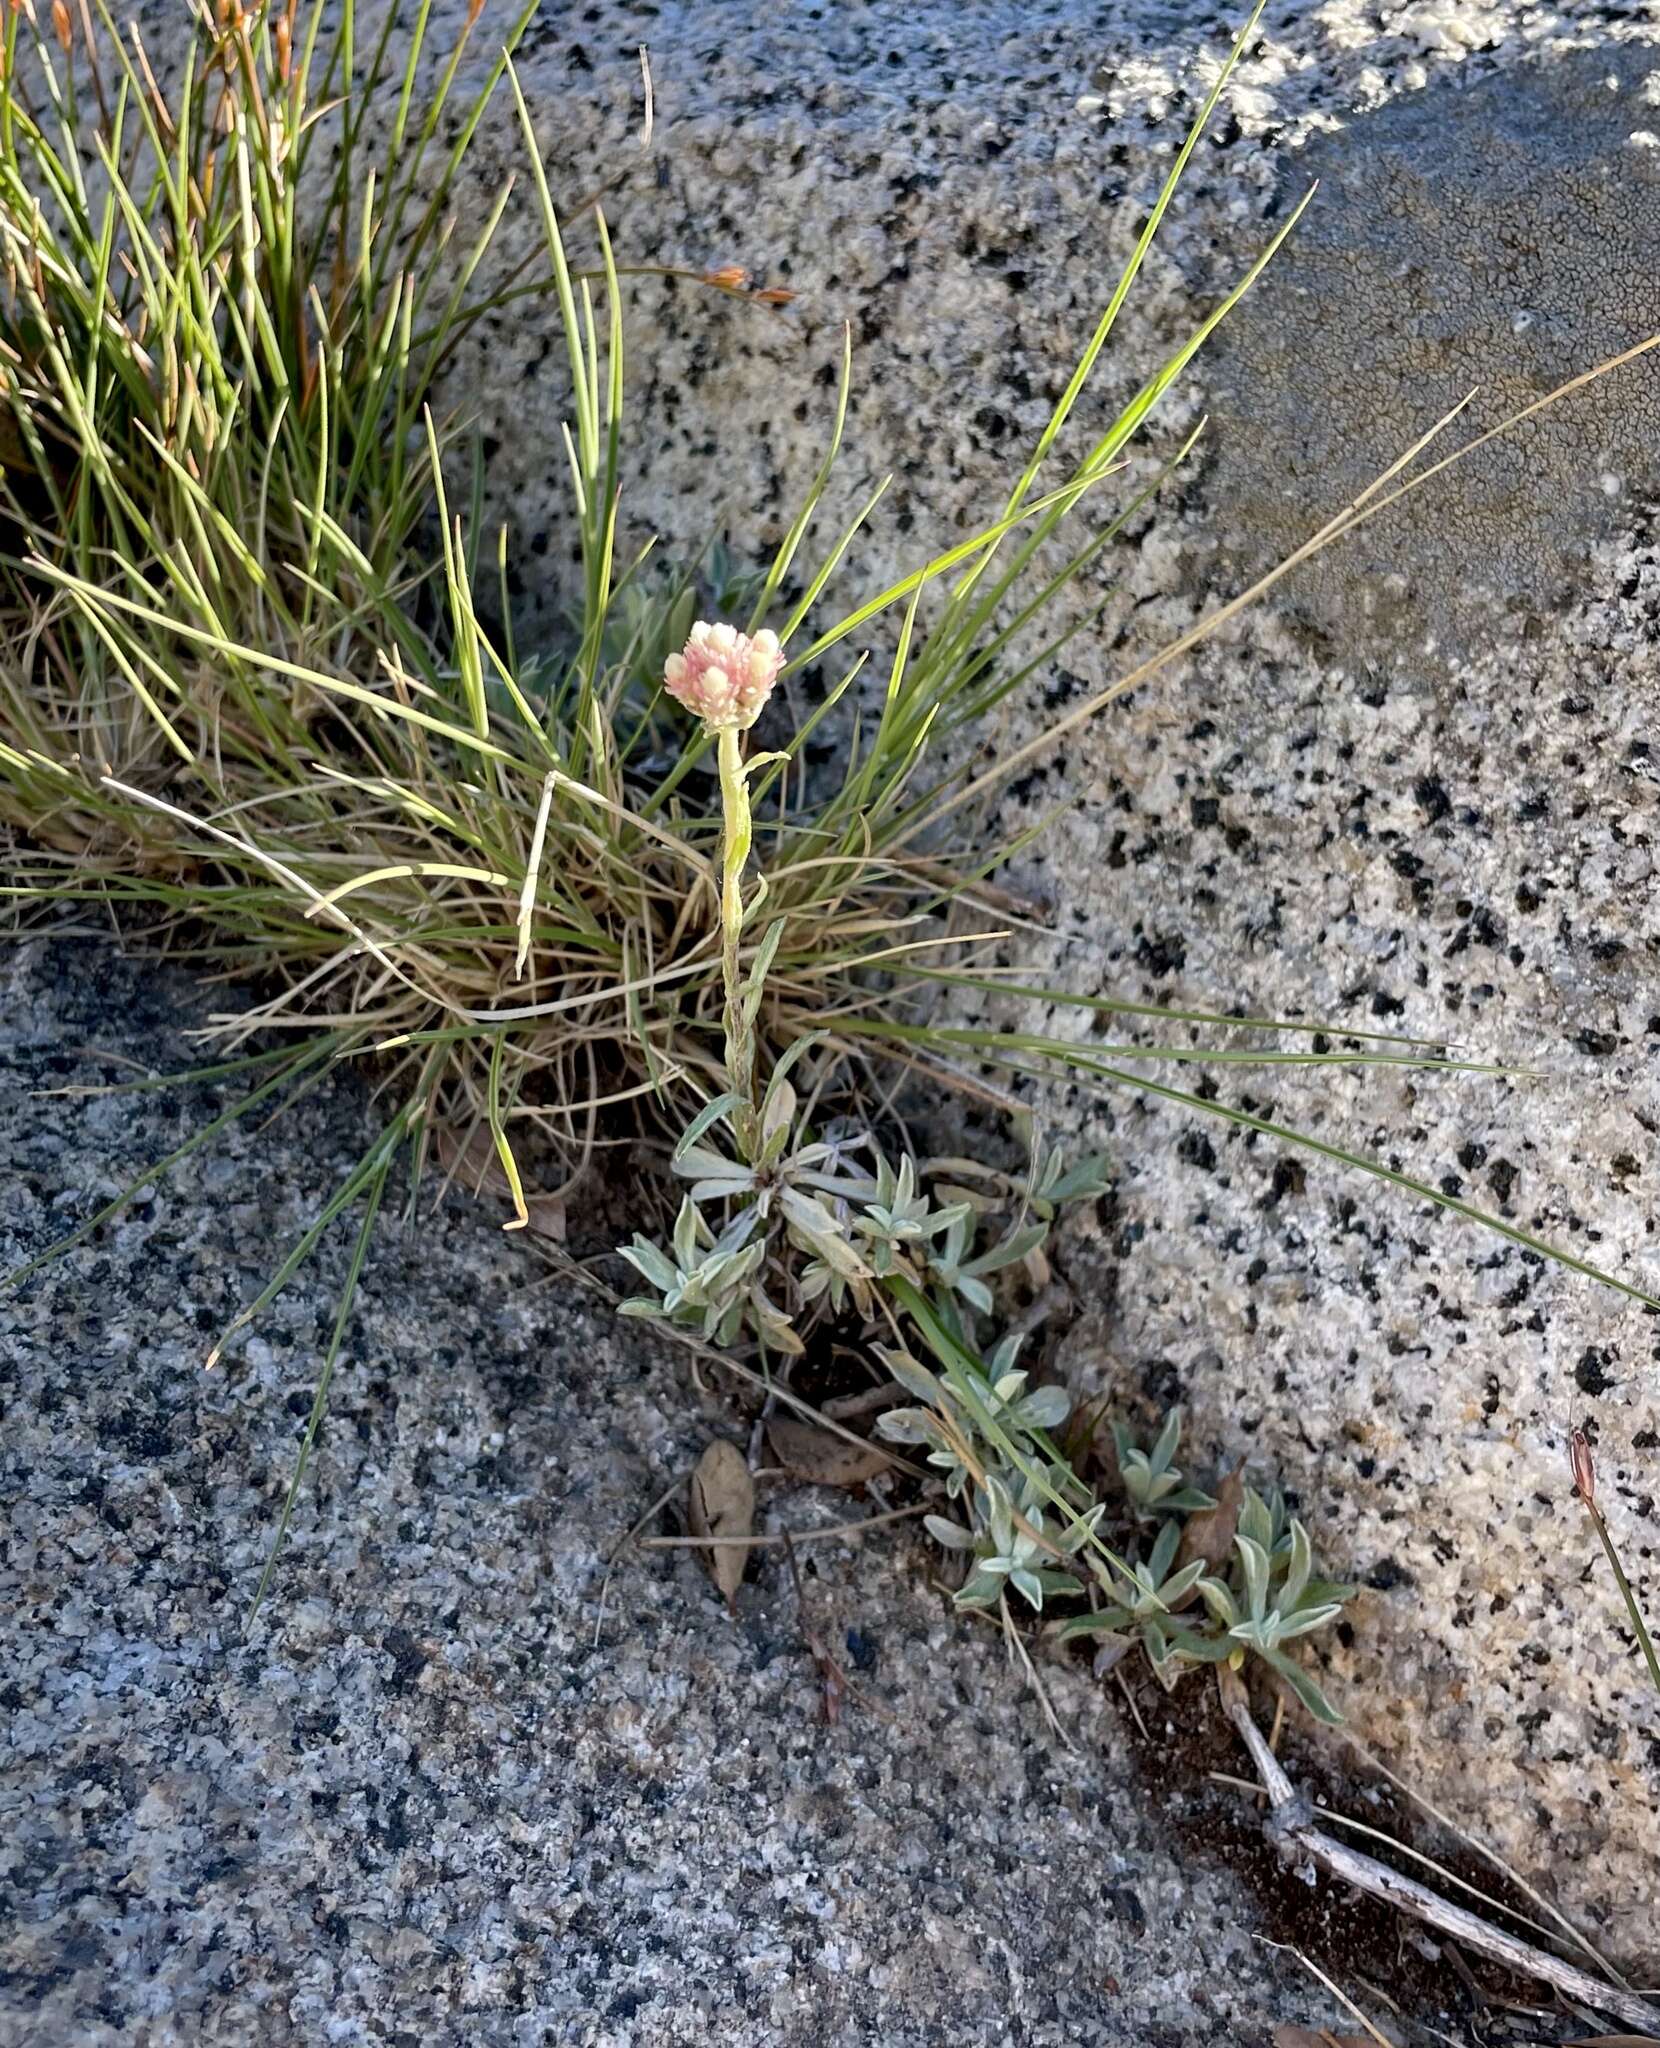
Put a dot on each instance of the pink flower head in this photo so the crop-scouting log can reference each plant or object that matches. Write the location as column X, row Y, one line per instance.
column 724, row 676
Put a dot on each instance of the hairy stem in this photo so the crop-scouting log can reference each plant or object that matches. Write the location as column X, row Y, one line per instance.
column 740, row 1030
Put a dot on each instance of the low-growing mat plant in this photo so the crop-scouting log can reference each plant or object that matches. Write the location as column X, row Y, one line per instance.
column 260, row 696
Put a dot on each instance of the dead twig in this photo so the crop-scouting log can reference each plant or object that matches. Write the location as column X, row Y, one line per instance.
column 622, row 1543
column 1342, row 1997
column 1290, row 1826
column 848, row 1529
column 837, row 1685
column 651, row 98
column 831, row 1675
column 1487, row 1854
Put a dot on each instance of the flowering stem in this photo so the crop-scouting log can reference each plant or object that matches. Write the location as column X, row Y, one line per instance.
column 740, row 1029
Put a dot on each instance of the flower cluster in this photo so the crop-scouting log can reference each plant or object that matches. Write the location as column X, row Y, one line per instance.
column 724, row 677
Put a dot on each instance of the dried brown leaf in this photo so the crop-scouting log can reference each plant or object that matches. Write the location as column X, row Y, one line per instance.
column 547, row 1216
column 721, row 1502
column 814, row 1454
column 1319, row 2037
column 1209, row 1533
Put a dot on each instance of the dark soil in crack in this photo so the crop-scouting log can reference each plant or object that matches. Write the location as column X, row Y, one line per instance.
column 1415, row 1983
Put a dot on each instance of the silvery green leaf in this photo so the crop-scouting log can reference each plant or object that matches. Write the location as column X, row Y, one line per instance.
column 839, row 1187
column 1029, row 1586
column 952, row 1534
column 1298, row 1570
column 975, row 1292
column 876, row 1223
column 1009, row 1387
column 772, row 1325
column 1326, row 1593
column 1003, row 1358
column 912, row 1375
column 1106, row 1621
column 796, row 1050
column 984, row 1589
column 1046, row 1408
column 1303, row 1622
column 1182, row 1582
column 1255, row 1520
column 640, row 1305
column 740, row 1265
column 702, row 1162
column 953, row 1218
column 816, row 1230
column 1253, row 1560
column 1081, row 1528
column 710, row 1113
column 756, row 985
column 1186, row 1500
column 778, row 1109
column 1219, row 1599
column 1000, row 1512
column 687, row 1231
column 767, row 951
column 650, row 1263
column 736, row 1234
column 1010, row 1250
column 1088, row 1178
column 907, row 1426
column 1169, row 1439
column 1164, row 1551
column 1304, row 1687
column 1279, row 1519
column 1193, row 1648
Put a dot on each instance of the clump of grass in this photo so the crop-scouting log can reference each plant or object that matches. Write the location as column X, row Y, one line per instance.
column 246, row 682
column 258, row 680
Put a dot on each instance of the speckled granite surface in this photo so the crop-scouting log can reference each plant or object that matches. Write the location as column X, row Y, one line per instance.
column 1307, row 821
column 421, row 1802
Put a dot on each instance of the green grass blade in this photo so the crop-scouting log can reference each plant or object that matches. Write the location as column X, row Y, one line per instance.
column 376, row 1188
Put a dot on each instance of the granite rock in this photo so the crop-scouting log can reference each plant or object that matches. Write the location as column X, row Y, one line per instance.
column 1484, row 240
column 1378, row 803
